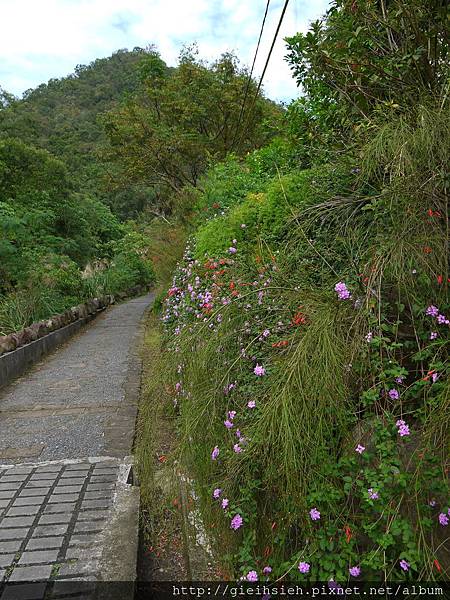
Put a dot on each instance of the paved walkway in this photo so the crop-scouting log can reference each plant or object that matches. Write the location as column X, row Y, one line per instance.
column 79, row 401
column 66, row 433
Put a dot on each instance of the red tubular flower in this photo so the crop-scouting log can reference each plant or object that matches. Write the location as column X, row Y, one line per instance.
column 437, row 565
column 440, row 279
column 348, row 534
column 427, row 250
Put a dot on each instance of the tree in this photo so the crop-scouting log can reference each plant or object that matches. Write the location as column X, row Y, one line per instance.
column 183, row 119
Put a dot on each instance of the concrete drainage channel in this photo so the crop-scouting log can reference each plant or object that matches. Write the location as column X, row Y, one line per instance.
column 68, row 527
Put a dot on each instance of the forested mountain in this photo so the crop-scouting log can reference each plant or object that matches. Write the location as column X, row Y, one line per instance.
column 61, row 116
column 81, row 155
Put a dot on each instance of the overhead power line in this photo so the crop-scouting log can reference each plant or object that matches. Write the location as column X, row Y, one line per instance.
column 283, row 12
column 247, row 87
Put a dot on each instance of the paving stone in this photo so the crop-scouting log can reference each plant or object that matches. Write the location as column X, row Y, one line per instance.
column 45, row 543
column 97, row 495
column 88, row 504
column 105, row 471
column 10, row 546
column 16, row 522
column 58, row 508
column 103, row 479
column 78, row 467
column 67, row 489
column 27, row 492
column 89, row 515
column 7, row 494
column 49, row 469
column 19, row 470
column 17, row 511
column 87, row 526
column 50, row 530
column 55, row 518
column 14, row 534
column 78, row 568
column 18, row 478
column 84, row 539
column 31, row 573
column 80, row 552
column 43, row 477
column 11, row 485
column 71, row 481
column 29, row 500
column 34, row 557
column 27, row 591
column 4, row 502
column 58, row 498
column 39, row 483
column 6, row 559
column 2, row 574
column 100, row 486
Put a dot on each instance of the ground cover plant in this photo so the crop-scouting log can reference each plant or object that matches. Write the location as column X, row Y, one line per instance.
column 307, row 326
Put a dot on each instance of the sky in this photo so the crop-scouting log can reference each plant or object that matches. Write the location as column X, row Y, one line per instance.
column 43, row 39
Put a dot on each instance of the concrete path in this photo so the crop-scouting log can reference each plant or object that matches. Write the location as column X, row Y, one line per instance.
column 67, row 509
column 80, row 401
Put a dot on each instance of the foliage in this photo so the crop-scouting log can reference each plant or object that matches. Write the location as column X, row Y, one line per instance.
column 181, row 121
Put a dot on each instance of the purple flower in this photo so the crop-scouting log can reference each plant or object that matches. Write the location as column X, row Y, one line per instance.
column 267, row 570
column 232, row 250
column 360, row 449
column 237, row 448
column 404, row 565
column 373, row 495
column 432, row 311
column 217, row 493
column 442, row 320
column 231, row 414
column 304, row 567
column 259, row 370
column 432, row 502
column 393, row 394
column 443, row 519
column 252, row 576
column 251, row 403
column 354, row 571
column 228, row 424
column 215, row 453
column 403, row 430
column 342, row 291
column 400, row 379
column 435, row 377
column 314, row 514
column 225, row 503
column 236, row 522
column 433, row 335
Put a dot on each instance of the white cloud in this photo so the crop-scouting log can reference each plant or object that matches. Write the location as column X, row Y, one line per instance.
column 41, row 39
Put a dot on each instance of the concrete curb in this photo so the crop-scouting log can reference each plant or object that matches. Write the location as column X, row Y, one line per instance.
column 16, row 363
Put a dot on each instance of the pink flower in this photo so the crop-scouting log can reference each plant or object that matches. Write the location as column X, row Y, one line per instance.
column 443, row 519
column 393, row 394
column 251, row 404
column 252, row 576
column 259, row 370
column 217, row 493
column 215, row 453
column 231, row 414
column 354, row 571
column 304, row 567
column 225, row 503
column 228, row 424
column 373, row 495
column 314, row 514
column 267, row 570
column 360, row 449
column 237, row 448
column 403, row 430
column 236, row 522
column 404, row 565
column 432, row 311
